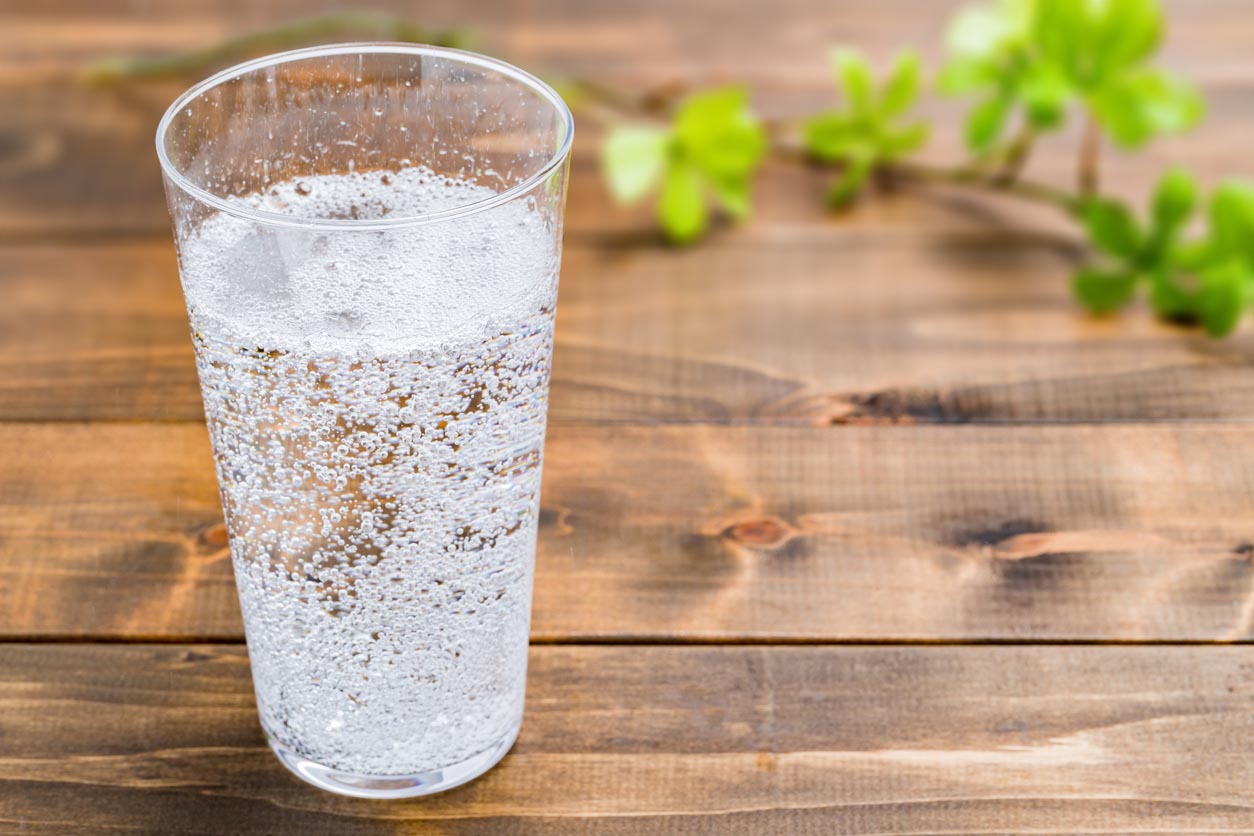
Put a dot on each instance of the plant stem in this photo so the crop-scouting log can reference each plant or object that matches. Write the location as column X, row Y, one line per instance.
column 1023, row 189
column 964, row 176
column 653, row 104
column 361, row 24
column 611, row 104
column 610, row 98
column 1090, row 155
column 1016, row 157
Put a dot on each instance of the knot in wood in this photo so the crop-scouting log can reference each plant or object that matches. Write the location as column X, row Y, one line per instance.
column 761, row 533
column 214, row 535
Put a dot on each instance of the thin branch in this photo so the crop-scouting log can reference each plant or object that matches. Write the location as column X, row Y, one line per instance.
column 606, row 96
column 1090, row 156
column 1023, row 189
column 232, row 50
column 1017, row 154
column 608, row 104
column 909, row 172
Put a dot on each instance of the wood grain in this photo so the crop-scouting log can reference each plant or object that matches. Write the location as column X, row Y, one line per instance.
column 704, row 533
column 646, row 39
column 927, row 331
column 654, row 740
column 78, row 160
column 888, row 426
column 78, row 163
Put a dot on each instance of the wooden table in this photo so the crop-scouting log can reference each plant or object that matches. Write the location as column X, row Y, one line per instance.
column 851, row 525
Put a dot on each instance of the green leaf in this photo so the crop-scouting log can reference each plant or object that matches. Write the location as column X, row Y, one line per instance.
column 864, row 133
column 1170, row 300
column 681, row 207
column 719, row 133
column 1173, row 203
column 1093, row 41
column 708, row 112
column 1046, row 94
column 975, row 30
column 850, row 183
column 898, row 143
column 1062, row 32
column 1137, row 106
column 1225, row 291
column 1128, row 33
column 1112, row 228
column 1231, row 216
column 853, row 75
column 632, row 158
column 965, row 75
column 736, row 151
column 733, row 193
column 831, row 137
column 902, row 87
column 1102, row 292
column 1191, row 256
column 984, row 30
column 985, row 123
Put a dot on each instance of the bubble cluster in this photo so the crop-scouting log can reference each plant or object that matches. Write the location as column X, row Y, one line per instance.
column 376, row 401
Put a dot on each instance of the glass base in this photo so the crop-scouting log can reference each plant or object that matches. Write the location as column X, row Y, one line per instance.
column 393, row 786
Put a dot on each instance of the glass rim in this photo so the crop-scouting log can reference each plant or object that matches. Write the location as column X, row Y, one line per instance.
column 263, row 216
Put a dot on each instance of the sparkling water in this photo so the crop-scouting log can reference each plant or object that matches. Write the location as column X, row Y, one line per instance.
column 376, row 402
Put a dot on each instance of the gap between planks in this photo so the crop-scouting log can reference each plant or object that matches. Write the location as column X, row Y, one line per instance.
column 661, row 641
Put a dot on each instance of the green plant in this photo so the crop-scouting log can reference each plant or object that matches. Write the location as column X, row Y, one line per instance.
column 865, row 134
column 1027, row 67
column 1207, row 280
column 1042, row 58
column 710, row 150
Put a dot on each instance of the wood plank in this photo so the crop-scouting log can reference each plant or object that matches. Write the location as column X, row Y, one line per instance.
column 931, row 330
column 935, row 330
column 710, row 533
column 79, row 161
column 85, row 167
column 656, row 740
column 95, row 331
column 648, row 39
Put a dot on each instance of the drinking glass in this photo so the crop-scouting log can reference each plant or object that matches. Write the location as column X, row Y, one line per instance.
column 369, row 238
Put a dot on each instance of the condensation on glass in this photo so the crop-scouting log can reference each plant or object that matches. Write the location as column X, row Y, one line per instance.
column 369, row 238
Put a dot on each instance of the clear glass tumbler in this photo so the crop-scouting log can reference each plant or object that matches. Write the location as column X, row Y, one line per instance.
column 369, row 238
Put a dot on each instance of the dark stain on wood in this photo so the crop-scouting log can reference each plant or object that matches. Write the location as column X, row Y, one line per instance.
column 1020, row 581
column 156, row 557
column 906, row 407
column 555, row 521
column 706, row 555
column 1160, row 394
column 988, row 536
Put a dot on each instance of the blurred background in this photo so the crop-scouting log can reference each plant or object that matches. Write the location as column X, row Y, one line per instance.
column 75, row 144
